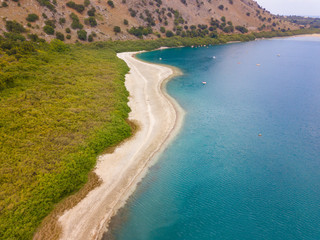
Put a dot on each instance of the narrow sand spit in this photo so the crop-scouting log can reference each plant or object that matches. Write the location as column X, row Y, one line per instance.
column 159, row 118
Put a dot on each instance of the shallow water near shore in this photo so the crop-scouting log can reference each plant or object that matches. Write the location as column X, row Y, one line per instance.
column 219, row 179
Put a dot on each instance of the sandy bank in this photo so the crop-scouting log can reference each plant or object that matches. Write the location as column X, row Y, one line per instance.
column 159, row 118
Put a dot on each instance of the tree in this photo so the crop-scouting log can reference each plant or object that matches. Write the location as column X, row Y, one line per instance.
column 32, row 17
column 82, row 35
column 117, row 29
column 110, row 3
column 48, row 30
column 91, row 21
column 60, row 36
column 91, row 12
column 169, row 33
column 162, row 29
column 13, row 26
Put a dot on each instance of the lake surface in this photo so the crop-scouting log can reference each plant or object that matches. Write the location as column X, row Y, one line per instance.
column 219, row 179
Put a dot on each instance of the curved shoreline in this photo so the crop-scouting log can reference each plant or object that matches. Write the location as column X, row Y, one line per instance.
column 159, row 118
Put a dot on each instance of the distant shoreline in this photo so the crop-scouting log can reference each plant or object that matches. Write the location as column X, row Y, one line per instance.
column 159, row 118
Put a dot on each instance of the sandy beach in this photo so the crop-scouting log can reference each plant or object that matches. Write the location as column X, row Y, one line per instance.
column 159, row 118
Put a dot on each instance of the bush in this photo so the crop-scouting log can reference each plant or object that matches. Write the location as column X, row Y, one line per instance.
column 91, row 21
column 62, row 21
column 169, row 33
column 48, row 4
column 51, row 23
column 90, row 38
column 32, row 17
column 91, row 12
column 78, row 7
column 68, row 36
column 58, row 46
column 60, row 36
column 86, row 3
column 221, row 7
column 82, row 35
column 162, row 29
column 110, row 3
column 33, row 37
column 13, row 26
column 117, row 29
column 241, row 29
column 125, row 22
column 4, row 4
column 68, row 30
column 75, row 22
column 48, row 30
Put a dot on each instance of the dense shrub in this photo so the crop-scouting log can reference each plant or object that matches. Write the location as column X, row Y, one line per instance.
column 48, row 30
column 169, row 33
column 125, row 22
column 75, row 22
column 60, row 36
column 13, row 26
column 32, row 17
column 86, row 3
column 91, row 12
column 51, row 23
column 221, row 7
column 78, row 7
column 110, row 3
column 68, row 30
column 62, row 21
column 241, row 29
column 82, row 35
column 117, row 29
column 48, row 4
column 162, row 29
column 91, row 21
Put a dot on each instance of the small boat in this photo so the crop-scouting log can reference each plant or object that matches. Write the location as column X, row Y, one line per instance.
column 258, row 64
column 278, row 55
column 214, row 57
column 259, row 134
column 204, row 83
column 160, row 59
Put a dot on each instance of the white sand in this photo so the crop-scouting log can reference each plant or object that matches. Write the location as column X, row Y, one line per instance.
column 159, row 118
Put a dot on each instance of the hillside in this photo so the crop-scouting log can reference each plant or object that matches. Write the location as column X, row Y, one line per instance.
column 96, row 20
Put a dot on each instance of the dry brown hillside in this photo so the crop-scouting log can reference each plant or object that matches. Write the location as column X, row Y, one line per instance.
column 110, row 17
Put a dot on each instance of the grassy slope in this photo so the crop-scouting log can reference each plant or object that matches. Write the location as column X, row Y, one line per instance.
column 61, row 112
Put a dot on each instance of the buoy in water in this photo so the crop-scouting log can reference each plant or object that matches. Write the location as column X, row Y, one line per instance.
column 160, row 59
column 214, row 57
column 259, row 134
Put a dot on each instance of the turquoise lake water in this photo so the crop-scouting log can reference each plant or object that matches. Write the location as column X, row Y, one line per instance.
column 219, row 179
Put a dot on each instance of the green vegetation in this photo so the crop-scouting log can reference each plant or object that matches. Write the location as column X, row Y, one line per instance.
column 91, row 21
column 15, row 27
column 117, row 29
column 60, row 36
column 48, row 4
column 91, row 12
column 82, row 35
column 61, row 106
column 32, row 17
column 75, row 22
column 110, row 3
column 48, row 29
column 78, row 7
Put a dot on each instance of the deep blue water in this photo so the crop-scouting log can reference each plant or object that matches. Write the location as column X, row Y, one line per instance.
column 219, row 179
